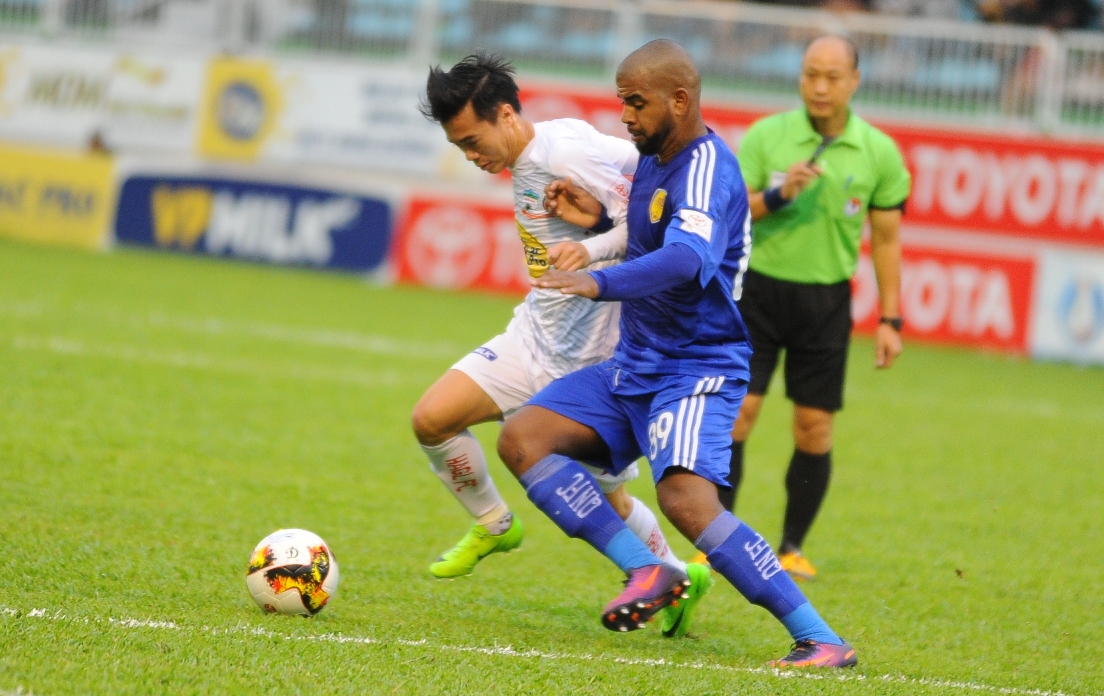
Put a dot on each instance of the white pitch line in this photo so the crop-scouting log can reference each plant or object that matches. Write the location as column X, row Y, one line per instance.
column 327, row 338
column 510, row 652
column 218, row 326
column 201, row 361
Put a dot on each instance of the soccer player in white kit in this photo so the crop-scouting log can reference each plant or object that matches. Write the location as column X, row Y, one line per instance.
column 551, row 334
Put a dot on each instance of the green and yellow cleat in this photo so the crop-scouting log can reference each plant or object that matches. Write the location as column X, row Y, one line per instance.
column 476, row 545
column 675, row 622
column 699, row 557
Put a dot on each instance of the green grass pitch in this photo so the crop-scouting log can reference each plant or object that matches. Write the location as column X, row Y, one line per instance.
column 160, row 414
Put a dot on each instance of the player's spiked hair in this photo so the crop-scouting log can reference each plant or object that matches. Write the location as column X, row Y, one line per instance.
column 484, row 79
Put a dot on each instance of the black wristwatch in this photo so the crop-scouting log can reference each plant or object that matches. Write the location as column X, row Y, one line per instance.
column 895, row 322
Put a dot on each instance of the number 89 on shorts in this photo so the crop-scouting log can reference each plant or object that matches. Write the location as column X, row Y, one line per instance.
column 659, row 432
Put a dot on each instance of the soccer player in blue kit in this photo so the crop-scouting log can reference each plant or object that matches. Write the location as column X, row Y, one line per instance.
column 678, row 375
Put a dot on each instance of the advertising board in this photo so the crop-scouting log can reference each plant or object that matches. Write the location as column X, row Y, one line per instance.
column 457, row 244
column 953, row 297
column 964, row 298
column 358, row 116
column 65, row 96
column 254, row 220
column 1044, row 189
column 1069, row 307
column 55, row 197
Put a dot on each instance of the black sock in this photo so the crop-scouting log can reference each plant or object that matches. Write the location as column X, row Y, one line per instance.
column 735, row 475
column 806, row 484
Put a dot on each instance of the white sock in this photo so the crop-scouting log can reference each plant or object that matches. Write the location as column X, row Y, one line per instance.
column 643, row 523
column 461, row 466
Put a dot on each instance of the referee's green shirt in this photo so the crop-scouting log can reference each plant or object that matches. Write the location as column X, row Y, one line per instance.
column 816, row 238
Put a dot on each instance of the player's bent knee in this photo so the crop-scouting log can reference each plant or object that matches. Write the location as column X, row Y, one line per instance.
column 812, row 430
column 421, row 422
column 429, row 428
column 518, row 448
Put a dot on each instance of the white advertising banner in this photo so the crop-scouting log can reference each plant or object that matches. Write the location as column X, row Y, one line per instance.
column 357, row 117
column 80, row 97
column 1069, row 306
column 333, row 114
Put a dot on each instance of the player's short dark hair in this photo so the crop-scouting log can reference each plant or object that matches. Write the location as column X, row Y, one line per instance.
column 486, row 80
column 848, row 42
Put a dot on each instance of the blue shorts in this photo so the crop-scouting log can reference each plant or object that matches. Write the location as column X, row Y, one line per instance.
column 676, row 420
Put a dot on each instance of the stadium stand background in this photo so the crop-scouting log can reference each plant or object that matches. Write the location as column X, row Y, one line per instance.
column 922, row 61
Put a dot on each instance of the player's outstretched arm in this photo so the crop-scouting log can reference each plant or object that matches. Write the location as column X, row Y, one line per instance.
column 567, row 200
column 660, row 270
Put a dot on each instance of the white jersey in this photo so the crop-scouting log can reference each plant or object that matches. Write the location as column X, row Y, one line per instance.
column 564, row 332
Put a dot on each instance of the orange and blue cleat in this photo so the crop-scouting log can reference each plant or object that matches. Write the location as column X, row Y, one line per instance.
column 809, row 653
column 647, row 590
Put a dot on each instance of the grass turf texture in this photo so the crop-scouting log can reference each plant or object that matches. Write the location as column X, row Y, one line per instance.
column 160, row 414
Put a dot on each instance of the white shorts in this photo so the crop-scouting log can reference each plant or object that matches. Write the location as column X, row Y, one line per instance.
column 506, row 372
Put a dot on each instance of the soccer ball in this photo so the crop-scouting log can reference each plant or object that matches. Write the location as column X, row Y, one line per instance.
column 292, row 571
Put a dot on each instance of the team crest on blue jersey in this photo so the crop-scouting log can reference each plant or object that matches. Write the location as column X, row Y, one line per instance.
column 655, row 210
column 486, row 353
column 852, row 207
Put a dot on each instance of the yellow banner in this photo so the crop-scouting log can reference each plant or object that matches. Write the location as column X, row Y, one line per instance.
column 240, row 108
column 55, row 197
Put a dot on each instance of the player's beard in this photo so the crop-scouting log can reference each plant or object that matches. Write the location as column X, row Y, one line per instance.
column 652, row 144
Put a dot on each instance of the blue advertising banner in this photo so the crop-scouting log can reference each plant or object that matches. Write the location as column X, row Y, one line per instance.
column 253, row 220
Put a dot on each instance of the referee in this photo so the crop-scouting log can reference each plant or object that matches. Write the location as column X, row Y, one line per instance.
column 814, row 175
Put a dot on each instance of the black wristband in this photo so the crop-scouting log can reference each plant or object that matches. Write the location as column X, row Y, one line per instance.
column 773, row 199
column 895, row 322
column 604, row 224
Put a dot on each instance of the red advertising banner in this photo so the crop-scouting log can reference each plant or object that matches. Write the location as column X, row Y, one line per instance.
column 951, row 297
column 1050, row 190
column 457, row 244
column 963, row 298
column 1043, row 189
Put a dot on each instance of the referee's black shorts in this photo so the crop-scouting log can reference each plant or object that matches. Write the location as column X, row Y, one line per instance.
column 812, row 323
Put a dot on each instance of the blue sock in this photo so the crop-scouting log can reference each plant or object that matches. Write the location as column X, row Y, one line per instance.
column 571, row 498
column 804, row 623
column 737, row 552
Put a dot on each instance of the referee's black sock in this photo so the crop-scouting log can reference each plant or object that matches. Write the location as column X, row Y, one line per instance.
column 735, row 475
column 806, row 484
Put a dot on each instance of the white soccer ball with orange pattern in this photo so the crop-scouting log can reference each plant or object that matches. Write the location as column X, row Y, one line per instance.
column 292, row 571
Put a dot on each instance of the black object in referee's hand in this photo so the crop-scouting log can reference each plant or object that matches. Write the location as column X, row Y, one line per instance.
column 820, row 149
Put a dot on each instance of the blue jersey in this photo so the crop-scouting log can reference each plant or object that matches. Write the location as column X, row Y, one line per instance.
column 698, row 199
